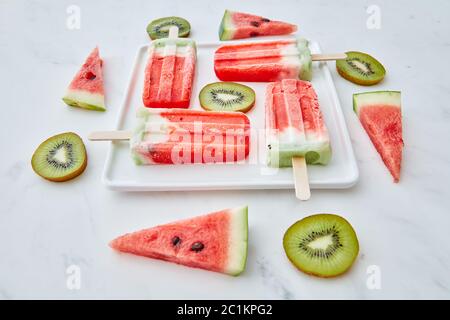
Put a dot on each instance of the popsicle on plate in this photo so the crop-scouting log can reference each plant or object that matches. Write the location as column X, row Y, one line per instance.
column 169, row 73
column 177, row 136
column 264, row 61
column 294, row 124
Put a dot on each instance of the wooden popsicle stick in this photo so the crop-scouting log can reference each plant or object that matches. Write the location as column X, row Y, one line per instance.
column 173, row 32
column 110, row 135
column 301, row 181
column 328, row 57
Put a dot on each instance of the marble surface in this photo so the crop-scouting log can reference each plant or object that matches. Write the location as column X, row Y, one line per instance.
column 47, row 227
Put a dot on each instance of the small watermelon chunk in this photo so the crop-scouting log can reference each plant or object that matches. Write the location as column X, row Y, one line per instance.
column 215, row 242
column 380, row 115
column 238, row 25
column 86, row 89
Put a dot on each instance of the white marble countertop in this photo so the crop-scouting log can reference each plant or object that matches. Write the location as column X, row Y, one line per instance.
column 47, row 227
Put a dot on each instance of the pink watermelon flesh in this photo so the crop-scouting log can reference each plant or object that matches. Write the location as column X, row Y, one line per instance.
column 215, row 242
column 168, row 80
column 86, row 89
column 380, row 115
column 238, row 25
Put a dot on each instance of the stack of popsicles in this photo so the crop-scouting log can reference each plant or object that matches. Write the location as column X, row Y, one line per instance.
column 295, row 130
column 174, row 136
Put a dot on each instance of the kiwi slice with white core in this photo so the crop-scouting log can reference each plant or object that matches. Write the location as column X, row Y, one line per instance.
column 227, row 96
column 361, row 68
column 323, row 245
column 159, row 28
column 60, row 158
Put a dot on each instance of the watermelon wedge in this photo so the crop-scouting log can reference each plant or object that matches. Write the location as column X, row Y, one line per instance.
column 86, row 89
column 238, row 25
column 215, row 242
column 380, row 114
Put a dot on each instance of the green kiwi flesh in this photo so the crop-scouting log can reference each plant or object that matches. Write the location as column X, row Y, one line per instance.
column 227, row 96
column 323, row 245
column 361, row 68
column 159, row 28
column 60, row 158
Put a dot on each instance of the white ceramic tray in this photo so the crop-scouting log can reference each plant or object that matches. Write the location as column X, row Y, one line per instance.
column 120, row 172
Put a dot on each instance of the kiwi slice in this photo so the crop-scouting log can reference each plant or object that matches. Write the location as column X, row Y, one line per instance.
column 360, row 68
column 159, row 28
column 323, row 245
column 227, row 96
column 60, row 158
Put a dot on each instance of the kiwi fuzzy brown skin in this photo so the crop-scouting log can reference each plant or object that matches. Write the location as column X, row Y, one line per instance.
column 318, row 274
column 69, row 176
column 358, row 79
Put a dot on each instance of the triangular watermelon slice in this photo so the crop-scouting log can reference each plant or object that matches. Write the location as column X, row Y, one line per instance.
column 381, row 116
column 238, row 25
column 216, row 241
column 86, row 89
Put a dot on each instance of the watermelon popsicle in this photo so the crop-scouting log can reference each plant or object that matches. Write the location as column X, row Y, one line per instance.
column 267, row 61
column 294, row 124
column 189, row 136
column 179, row 136
column 295, row 130
column 169, row 72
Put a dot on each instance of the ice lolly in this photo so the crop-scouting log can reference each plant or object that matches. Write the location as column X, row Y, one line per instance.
column 177, row 136
column 294, row 124
column 169, row 72
column 267, row 61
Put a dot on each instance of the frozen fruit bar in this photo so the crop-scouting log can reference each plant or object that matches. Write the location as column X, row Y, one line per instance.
column 169, row 73
column 178, row 136
column 294, row 124
column 264, row 61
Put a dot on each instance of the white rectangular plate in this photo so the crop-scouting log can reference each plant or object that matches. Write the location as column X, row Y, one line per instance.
column 120, row 172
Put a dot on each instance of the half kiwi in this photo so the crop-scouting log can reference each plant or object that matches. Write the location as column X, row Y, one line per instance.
column 60, row 158
column 159, row 28
column 323, row 245
column 360, row 68
column 227, row 96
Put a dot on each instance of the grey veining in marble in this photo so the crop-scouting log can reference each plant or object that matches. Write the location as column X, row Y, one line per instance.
column 46, row 227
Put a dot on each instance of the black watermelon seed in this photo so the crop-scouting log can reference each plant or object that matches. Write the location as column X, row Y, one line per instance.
column 254, row 34
column 176, row 241
column 90, row 76
column 197, row 246
column 255, row 23
column 265, row 20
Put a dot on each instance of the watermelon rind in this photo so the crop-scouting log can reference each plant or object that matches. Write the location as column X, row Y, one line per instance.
column 238, row 241
column 226, row 29
column 179, row 42
column 84, row 99
column 305, row 72
column 315, row 153
column 376, row 97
